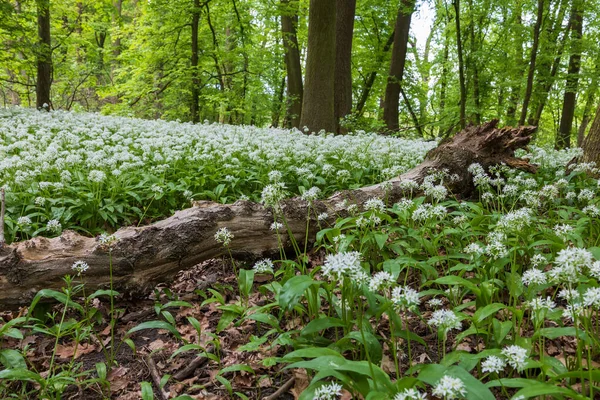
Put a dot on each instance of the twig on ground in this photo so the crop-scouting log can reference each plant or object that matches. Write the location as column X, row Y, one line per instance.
column 155, row 376
column 196, row 363
column 286, row 386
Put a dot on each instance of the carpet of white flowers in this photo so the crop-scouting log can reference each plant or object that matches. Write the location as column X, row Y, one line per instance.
column 94, row 173
column 497, row 297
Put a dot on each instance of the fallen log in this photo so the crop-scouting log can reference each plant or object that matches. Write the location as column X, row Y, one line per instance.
column 145, row 256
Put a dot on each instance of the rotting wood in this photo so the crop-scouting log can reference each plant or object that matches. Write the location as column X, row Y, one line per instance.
column 145, row 256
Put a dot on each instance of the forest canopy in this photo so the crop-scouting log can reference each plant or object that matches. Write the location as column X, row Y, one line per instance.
column 249, row 62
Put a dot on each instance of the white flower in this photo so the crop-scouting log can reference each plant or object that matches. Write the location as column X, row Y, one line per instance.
column 405, row 298
column 475, row 249
column 24, row 221
column 273, row 194
column 449, row 388
column 445, row 319
column 264, row 266
column 493, row 364
column 156, row 189
column 435, row 303
column 516, row 356
column 569, row 263
column 322, row 216
column 570, row 295
column 540, row 304
column 534, row 277
column 342, row 264
column 96, row 176
column 410, row 394
column 311, row 194
column 275, row 226
column 53, row 226
column 591, row 210
column 187, row 194
column 80, row 267
column 515, row 220
column 107, row 240
column 595, row 269
column 408, row 184
column 591, row 297
column 563, row 230
column 381, row 280
column 40, row 201
column 328, row 392
column 538, row 260
column 374, row 204
column 459, row 219
column 586, row 195
column 223, row 235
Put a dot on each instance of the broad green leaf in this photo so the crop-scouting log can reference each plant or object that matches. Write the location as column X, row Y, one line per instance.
column 155, row 325
column 293, row 289
column 317, row 325
column 147, row 392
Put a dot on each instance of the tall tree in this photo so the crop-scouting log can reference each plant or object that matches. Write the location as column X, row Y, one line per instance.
column 195, row 103
column 391, row 101
column 515, row 87
column 318, row 109
column 44, row 55
column 563, row 137
column 345, row 10
column 461, row 67
column 532, row 59
column 289, row 23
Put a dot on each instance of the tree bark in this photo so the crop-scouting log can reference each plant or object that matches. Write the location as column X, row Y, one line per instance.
column 344, row 22
column 461, row 67
column 44, row 56
column 548, row 67
column 591, row 95
column 591, row 144
column 391, row 101
column 318, row 104
column 516, row 79
column 532, row 59
column 289, row 22
column 563, row 137
column 195, row 103
column 145, row 256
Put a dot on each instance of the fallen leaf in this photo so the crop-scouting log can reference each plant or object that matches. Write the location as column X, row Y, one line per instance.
column 70, row 350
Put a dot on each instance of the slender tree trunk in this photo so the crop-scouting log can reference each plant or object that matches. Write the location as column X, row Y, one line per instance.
column 289, row 22
column 318, row 106
column 370, row 80
column 515, row 89
column 195, row 104
column 547, row 66
column 587, row 110
column 473, row 64
column 532, row 59
column 461, row 67
column 44, row 56
column 563, row 138
column 391, row 101
column 278, row 105
column 345, row 10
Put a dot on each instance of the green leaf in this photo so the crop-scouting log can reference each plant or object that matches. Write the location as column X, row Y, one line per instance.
column 53, row 294
column 155, row 325
column 490, row 309
column 536, row 388
column 312, row 352
column 293, row 289
column 21, row 375
column 245, row 281
column 265, row 319
column 225, row 320
column 101, row 370
column 319, row 324
column 147, row 392
column 381, row 239
column 12, row 359
column 237, row 368
column 103, row 292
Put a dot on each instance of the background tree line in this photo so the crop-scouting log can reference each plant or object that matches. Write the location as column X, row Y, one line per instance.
column 324, row 64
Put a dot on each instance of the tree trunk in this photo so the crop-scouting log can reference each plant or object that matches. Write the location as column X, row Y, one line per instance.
column 591, row 95
column 370, row 80
column 391, row 101
column 44, row 56
column 563, row 137
column 345, row 10
column 532, row 58
column 318, row 106
column 145, row 256
column 472, row 64
column 515, row 88
column 289, row 22
column 461, row 66
column 195, row 103
column 591, row 144
column 548, row 67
